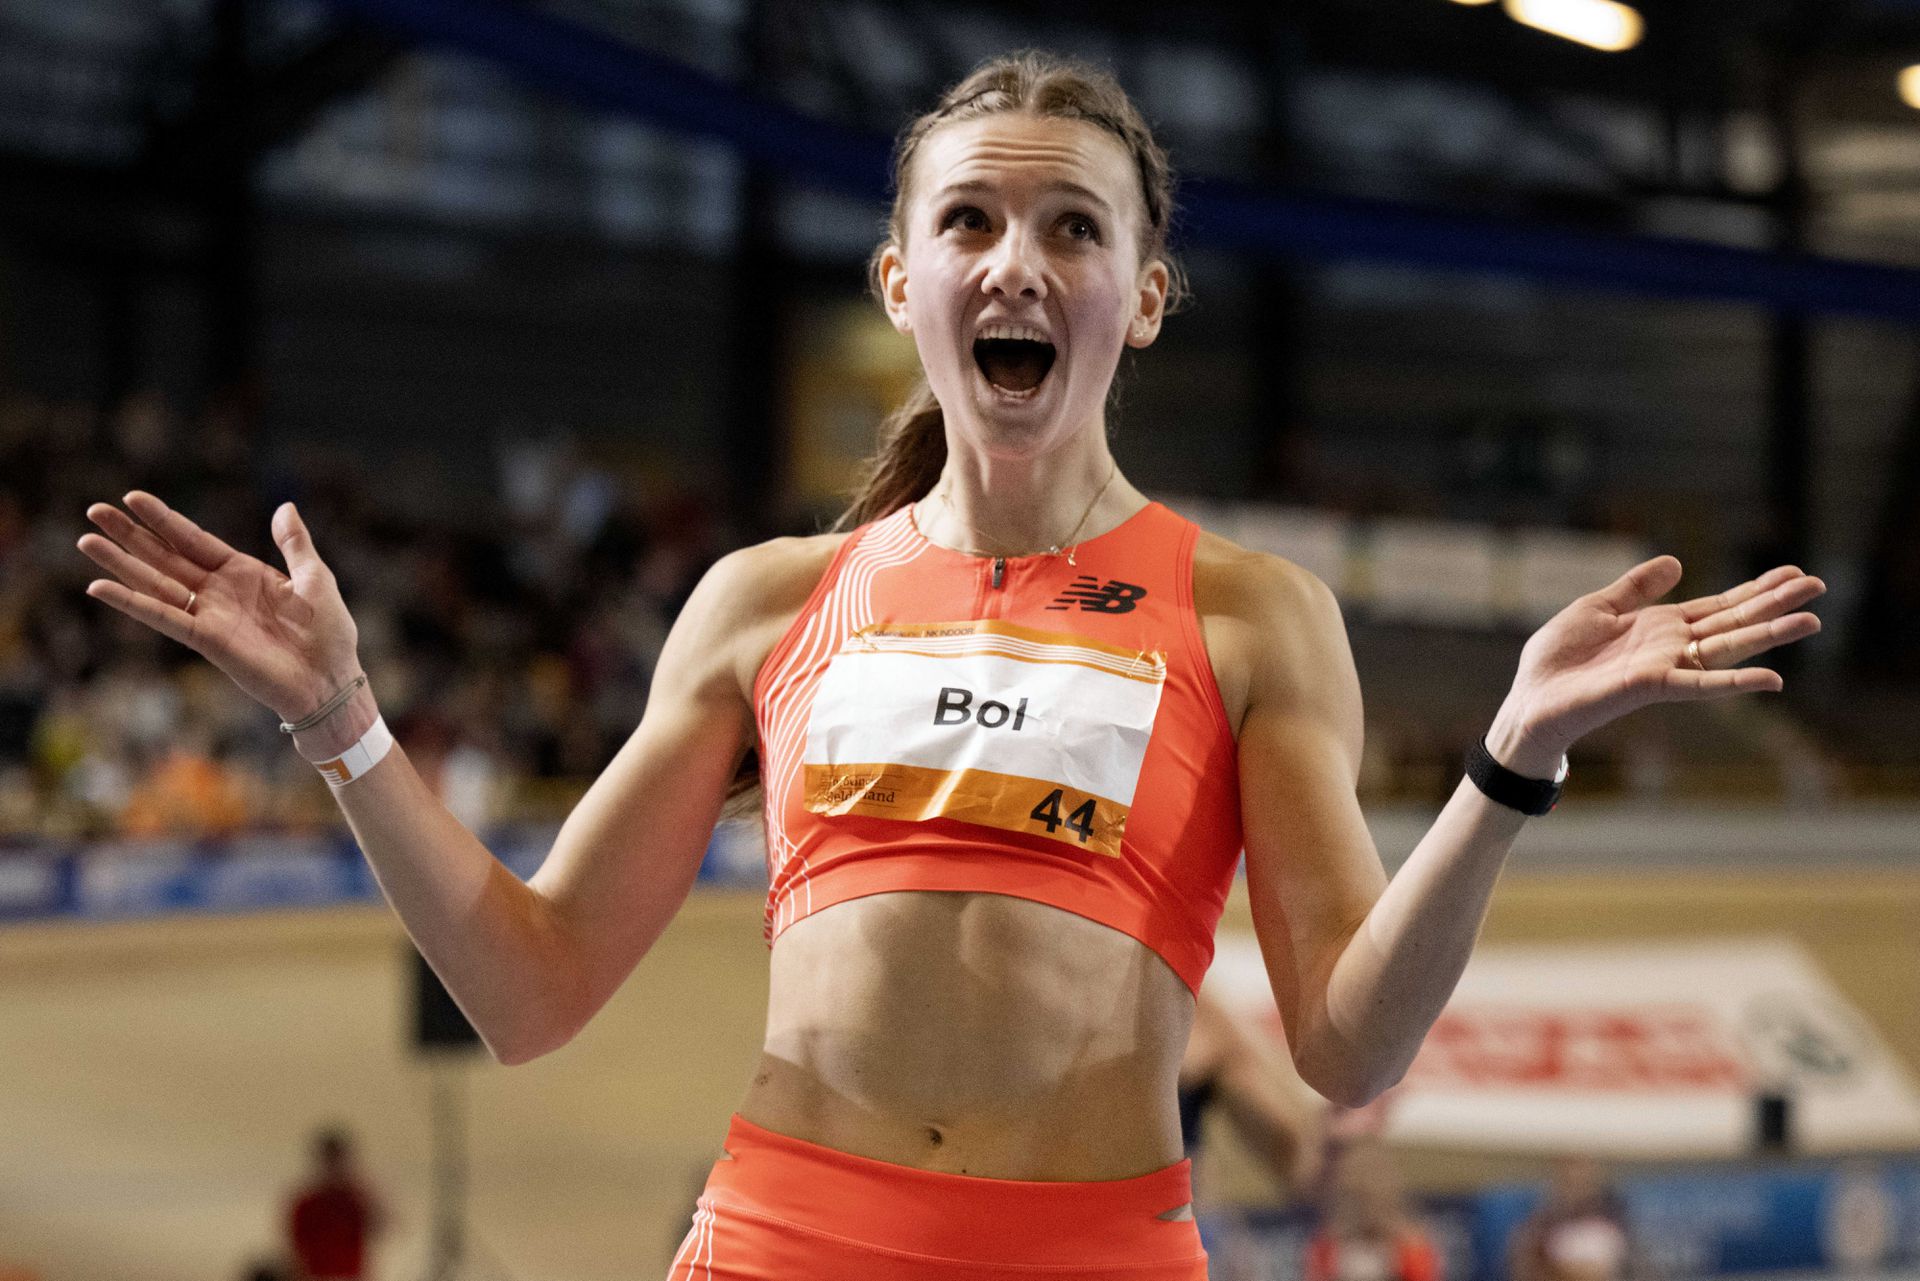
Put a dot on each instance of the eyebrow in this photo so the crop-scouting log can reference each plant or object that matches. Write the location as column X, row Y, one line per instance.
column 1071, row 188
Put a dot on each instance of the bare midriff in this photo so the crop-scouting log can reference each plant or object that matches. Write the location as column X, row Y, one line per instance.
column 973, row 1034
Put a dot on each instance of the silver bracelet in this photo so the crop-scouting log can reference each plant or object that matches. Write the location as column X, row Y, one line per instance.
column 333, row 705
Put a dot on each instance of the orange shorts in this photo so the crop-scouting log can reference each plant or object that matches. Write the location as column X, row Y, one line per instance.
column 787, row 1210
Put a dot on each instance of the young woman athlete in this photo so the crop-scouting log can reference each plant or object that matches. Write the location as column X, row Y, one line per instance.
column 1014, row 729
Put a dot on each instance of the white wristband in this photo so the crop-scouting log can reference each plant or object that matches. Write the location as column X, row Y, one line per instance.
column 359, row 758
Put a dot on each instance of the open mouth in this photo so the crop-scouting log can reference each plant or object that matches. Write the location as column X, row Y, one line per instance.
column 1013, row 365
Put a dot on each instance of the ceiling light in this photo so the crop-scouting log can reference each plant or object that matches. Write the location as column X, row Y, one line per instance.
column 1601, row 24
column 1910, row 87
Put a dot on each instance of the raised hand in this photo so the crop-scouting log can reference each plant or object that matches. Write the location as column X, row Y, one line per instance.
column 1614, row 650
column 286, row 639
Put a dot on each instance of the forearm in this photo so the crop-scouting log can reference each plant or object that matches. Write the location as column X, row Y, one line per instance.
column 1401, row 965
column 485, row 932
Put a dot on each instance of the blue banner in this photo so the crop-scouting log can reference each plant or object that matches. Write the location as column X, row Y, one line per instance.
column 1854, row 1215
column 108, row 880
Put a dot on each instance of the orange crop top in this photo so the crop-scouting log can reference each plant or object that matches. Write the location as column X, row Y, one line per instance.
column 1025, row 725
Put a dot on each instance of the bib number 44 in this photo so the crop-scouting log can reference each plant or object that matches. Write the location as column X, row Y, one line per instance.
column 1079, row 820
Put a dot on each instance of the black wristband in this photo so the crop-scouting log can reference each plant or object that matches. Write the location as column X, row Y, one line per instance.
column 1531, row 796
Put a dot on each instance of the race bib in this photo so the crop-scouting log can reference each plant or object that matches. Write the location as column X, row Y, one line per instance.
column 985, row 722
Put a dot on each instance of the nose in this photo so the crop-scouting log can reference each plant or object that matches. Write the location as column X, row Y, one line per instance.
column 1014, row 270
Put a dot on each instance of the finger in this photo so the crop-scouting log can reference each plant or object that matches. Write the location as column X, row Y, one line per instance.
column 179, row 533
column 175, row 624
column 291, row 535
column 135, row 573
column 1729, row 649
column 1705, row 607
column 142, row 543
column 1765, row 606
column 1640, row 586
column 1685, row 685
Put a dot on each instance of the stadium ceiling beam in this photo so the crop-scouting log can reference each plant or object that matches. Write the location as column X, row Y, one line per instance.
column 147, row 208
column 280, row 101
column 1536, row 113
column 924, row 26
column 586, row 66
column 818, row 38
column 1421, row 39
column 1694, row 58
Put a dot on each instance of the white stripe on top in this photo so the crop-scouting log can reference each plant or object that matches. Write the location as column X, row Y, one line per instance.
column 847, row 607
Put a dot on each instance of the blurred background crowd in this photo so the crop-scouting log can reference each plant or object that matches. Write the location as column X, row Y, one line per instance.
column 510, row 646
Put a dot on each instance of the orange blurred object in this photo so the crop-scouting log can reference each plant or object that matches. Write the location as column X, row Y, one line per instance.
column 187, row 795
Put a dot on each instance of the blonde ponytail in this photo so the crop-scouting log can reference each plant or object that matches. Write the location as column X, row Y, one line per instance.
column 913, row 449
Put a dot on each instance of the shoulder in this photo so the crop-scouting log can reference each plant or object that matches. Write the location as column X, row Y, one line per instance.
column 773, row 574
column 1263, row 616
column 748, row 599
column 1254, row 584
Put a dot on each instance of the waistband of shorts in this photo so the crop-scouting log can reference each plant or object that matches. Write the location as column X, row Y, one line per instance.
column 956, row 1216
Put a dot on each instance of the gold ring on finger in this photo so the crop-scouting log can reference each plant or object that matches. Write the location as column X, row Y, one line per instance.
column 191, row 596
column 1693, row 656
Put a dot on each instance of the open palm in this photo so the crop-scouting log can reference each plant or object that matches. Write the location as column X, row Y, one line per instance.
column 1613, row 650
column 286, row 639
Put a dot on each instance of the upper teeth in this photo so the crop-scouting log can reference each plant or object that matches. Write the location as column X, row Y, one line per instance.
column 1024, row 333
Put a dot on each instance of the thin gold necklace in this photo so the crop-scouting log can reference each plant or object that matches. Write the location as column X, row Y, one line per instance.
column 1053, row 550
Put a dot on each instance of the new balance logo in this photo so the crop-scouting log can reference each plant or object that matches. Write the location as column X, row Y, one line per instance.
column 1110, row 597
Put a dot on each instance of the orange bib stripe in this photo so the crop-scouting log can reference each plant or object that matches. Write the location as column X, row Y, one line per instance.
column 1007, row 801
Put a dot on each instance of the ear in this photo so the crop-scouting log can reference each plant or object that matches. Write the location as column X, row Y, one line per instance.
column 893, row 286
column 1151, row 303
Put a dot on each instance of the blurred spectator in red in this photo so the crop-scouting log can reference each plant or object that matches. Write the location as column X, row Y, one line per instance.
column 1367, row 1231
column 1579, row 1233
column 334, row 1216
